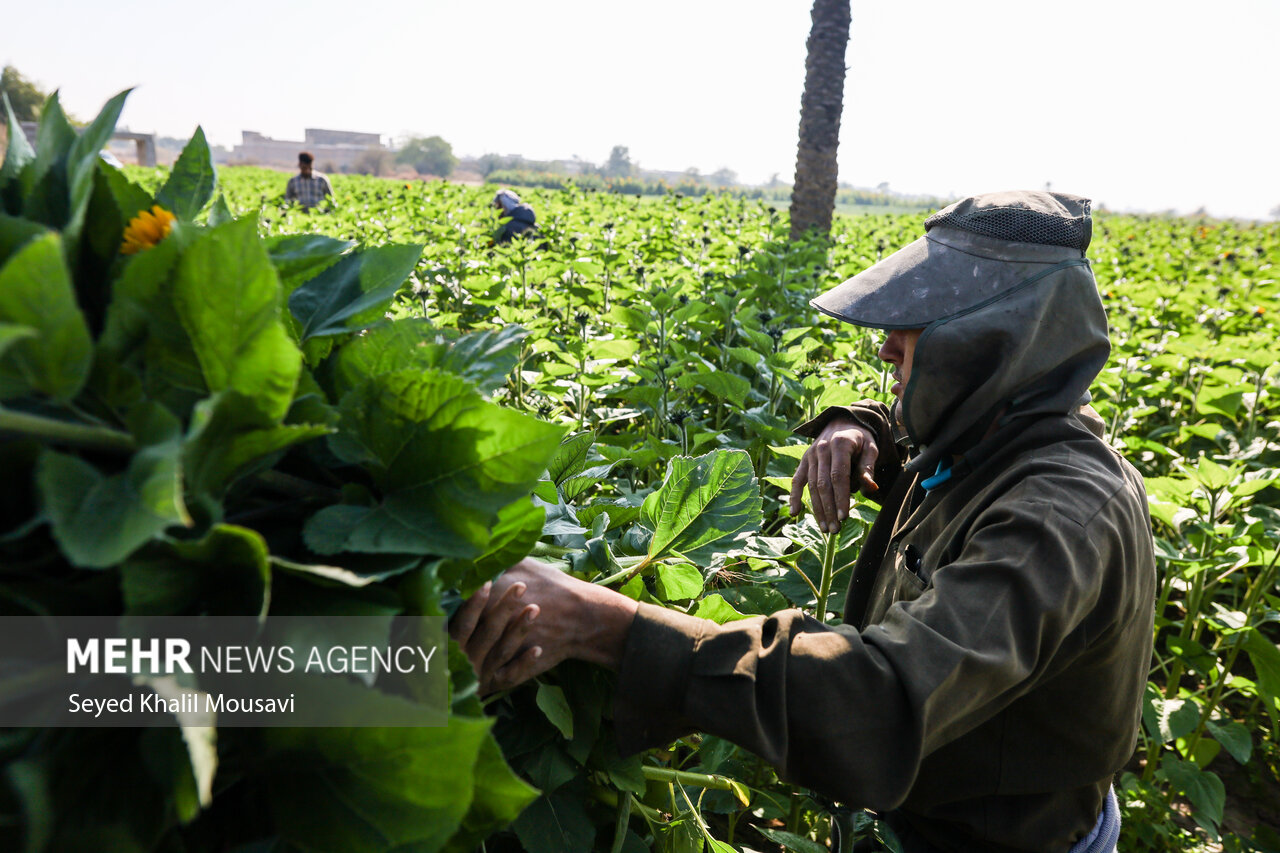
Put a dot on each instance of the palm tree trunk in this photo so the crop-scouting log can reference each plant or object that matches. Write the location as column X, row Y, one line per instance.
column 813, row 197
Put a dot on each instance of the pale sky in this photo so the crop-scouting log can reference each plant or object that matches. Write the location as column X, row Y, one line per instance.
column 1138, row 105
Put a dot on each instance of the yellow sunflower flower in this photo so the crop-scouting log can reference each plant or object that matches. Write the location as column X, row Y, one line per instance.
column 146, row 230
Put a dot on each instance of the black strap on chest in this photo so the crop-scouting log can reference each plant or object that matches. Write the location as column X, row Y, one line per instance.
column 873, row 550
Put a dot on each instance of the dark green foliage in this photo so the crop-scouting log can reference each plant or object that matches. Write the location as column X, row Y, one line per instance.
column 167, row 443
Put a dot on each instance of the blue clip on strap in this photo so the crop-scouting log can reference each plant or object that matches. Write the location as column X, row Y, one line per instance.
column 939, row 477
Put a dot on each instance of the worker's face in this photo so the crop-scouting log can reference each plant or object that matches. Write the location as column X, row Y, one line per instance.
column 899, row 349
column 304, row 169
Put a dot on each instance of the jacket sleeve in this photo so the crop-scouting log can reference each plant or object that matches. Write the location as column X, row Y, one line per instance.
column 876, row 417
column 852, row 714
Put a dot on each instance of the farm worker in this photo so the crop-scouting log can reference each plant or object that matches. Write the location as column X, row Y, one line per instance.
column 308, row 187
column 988, row 679
column 518, row 215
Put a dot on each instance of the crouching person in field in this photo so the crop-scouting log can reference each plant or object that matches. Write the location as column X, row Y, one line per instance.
column 517, row 217
column 987, row 681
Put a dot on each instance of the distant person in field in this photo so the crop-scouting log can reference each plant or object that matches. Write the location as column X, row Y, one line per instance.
column 986, row 683
column 308, row 187
column 517, row 217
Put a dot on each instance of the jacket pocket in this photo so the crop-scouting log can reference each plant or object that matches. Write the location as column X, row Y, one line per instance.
column 898, row 580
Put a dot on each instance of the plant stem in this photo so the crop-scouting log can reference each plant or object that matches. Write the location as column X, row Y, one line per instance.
column 1253, row 410
column 66, row 432
column 685, row 777
column 626, row 574
column 1260, row 583
column 620, row 824
column 610, row 798
column 828, row 563
column 697, row 815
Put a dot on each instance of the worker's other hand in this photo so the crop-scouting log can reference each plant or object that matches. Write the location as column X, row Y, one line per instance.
column 842, row 451
column 533, row 617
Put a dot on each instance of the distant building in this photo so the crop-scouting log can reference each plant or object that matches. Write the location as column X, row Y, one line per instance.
column 334, row 150
column 144, row 143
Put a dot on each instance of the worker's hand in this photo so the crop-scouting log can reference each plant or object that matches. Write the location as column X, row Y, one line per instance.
column 827, row 467
column 533, row 617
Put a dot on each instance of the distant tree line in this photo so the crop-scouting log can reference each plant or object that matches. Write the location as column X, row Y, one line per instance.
column 692, row 186
column 24, row 96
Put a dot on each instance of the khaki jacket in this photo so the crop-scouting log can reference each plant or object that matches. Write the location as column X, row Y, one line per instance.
column 987, row 682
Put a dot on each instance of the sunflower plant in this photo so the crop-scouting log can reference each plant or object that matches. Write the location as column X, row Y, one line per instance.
column 195, row 420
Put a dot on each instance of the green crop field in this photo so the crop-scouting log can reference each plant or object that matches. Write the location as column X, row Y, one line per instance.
column 267, row 410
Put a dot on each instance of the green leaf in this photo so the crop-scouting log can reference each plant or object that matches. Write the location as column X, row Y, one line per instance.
column 1210, row 475
column 551, row 766
column 45, row 188
column 1194, row 654
column 99, row 520
column 227, row 297
column 130, row 199
column 1219, row 400
column 82, row 158
column 518, row 529
column 791, row 841
column 1265, row 656
column 15, row 232
column 499, row 798
column 225, row 573
column 297, row 257
column 627, row 774
column 226, row 442
column 1168, row 719
column 1252, row 487
column 446, row 460
column 191, row 182
column 201, row 744
column 144, row 332
column 755, row 600
column 678, row 582
column 1203, row 788
column 356, row 789
column 727, row 387
column 613, row 349
column 556, row 823
column 1206, row 749
column 404, row 344
column 715, row 608
column 220, row 214
column 353, row 293
column 483, row 358
column 556, row 708
column 36, row 291
column 705, row 505
column 571, row 456
column 1234, row 737
column 574, row 487
column 19, row 152
column 11, row 333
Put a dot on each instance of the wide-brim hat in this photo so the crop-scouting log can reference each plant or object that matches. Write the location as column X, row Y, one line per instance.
column 972, row 252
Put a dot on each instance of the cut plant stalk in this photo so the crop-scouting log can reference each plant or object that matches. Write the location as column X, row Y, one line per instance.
column 829, row 548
